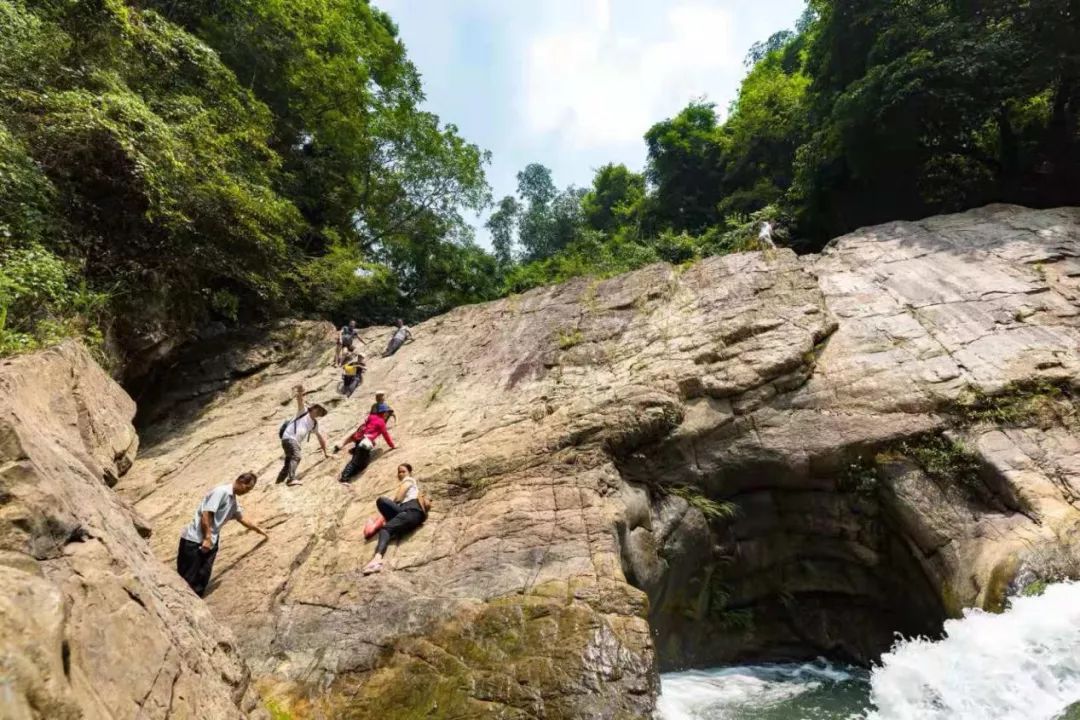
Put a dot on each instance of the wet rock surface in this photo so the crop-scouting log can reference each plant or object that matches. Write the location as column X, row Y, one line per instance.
column 757, row 457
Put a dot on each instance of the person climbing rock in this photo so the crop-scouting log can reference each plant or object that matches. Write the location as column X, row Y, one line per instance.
column 364, row 442
column 352, row 374
column 406, row 512
column 400, row 336
column 380, row 399
column 346, row 339
column 199, row 540
column 296, row 431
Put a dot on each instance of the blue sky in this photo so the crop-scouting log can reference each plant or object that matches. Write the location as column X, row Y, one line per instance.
column 574, row 84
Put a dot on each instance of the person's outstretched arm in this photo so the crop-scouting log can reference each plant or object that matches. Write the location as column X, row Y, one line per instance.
column 322, row 441
column 301, row 406
column 253, row 527
column 386, row 436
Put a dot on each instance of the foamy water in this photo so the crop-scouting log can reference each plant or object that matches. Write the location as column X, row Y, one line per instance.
column 805, row 691
column 1021, row 665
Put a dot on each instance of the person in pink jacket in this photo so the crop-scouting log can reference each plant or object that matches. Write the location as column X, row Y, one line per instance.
column 364, row 442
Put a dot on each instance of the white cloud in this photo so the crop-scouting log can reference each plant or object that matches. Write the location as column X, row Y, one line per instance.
column 605, row 78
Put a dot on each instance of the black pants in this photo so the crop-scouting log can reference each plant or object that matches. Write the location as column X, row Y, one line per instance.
column 361, row 456
column 349, row 384
column 400, row 519
column 393, row 346
column 194, row 565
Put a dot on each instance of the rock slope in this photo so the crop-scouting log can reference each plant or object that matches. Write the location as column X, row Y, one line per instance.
column 91, row 624
column 756, row 457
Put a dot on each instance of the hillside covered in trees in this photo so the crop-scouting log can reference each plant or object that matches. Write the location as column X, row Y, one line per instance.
column 167, row 163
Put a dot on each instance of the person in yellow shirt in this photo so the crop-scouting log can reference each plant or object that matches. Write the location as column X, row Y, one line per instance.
column 352, row 374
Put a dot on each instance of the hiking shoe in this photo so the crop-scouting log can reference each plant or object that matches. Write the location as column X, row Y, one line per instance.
column 294, row 483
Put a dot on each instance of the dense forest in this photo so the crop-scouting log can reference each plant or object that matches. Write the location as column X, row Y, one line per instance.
column 165, row 164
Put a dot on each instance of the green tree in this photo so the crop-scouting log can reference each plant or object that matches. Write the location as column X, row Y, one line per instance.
column 615, row 199
column 550, row 220
column 361, row 158
column 927, row 106
column 686, row 168
column 502, row 224
column 151, row 167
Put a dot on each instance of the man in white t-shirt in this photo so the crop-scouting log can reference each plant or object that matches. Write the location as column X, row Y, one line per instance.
column 400, row 336
column 199, row 540
column 295, row 431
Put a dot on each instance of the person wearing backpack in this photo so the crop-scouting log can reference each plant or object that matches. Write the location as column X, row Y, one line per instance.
column 364, row 442
column 296, row 431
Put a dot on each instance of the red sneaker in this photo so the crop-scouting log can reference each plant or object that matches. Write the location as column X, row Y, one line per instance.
column 373, row 525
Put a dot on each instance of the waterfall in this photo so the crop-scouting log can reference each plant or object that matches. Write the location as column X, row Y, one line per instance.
column 1023, row 664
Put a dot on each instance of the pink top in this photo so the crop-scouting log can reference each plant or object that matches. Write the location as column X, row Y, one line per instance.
column 372, row 428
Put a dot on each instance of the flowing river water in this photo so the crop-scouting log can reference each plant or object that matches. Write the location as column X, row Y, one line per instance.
column 1023, row 664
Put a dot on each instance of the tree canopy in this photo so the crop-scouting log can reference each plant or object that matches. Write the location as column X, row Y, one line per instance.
column 229, row 160
column 164, row 164
column 865, row 112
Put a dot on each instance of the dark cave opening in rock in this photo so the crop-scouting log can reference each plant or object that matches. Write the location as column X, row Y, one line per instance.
column 762, row 561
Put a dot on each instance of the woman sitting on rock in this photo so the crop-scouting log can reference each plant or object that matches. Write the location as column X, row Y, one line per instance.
column 406, row 512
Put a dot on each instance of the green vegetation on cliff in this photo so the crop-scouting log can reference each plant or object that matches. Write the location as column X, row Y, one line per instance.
column 868, row 112
column 164, row 164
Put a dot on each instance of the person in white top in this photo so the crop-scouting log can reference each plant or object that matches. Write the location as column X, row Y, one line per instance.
column 406, row 512
column 400, row 336
column 199, row 540
column 295, row 431
column 765, row 236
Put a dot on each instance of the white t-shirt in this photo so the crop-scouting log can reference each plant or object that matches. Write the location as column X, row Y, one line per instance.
column 300, row 429
column 413, row 490
column 402, row 333
column 222, row 502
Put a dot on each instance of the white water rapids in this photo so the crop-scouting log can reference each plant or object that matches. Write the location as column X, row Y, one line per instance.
column 1023, row 664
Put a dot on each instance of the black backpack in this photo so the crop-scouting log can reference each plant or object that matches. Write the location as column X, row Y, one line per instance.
column 281, row 430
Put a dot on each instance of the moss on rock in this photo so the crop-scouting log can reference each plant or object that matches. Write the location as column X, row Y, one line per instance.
column 544, row 654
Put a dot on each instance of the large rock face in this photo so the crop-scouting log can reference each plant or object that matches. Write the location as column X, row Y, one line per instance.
column 91, row 624
column 756, row 457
